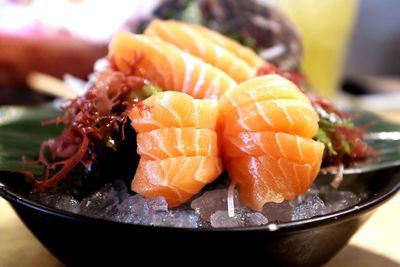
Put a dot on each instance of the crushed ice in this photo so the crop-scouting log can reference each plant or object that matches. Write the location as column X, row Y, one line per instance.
column 210, row 209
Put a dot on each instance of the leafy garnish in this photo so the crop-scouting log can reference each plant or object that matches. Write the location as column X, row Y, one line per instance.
column 21, row 133
column 246, row 41
column 344, row 142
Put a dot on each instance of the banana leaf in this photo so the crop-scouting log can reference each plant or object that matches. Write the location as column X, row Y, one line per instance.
column 21, row 134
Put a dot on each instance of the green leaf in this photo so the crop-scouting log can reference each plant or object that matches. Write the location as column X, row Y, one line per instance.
column 145, row 92
column 324, row 138
column 192, row 12
column 21, row 134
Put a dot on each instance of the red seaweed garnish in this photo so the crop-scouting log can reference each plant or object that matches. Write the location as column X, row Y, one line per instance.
column 92, row 120
column 296, row 77
column 327, row 106
column 66, row 165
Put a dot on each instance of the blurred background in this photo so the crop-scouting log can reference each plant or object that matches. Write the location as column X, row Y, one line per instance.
column 372, row 67
column 348, row 49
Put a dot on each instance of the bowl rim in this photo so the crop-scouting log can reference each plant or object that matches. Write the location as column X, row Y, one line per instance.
column 365, row 206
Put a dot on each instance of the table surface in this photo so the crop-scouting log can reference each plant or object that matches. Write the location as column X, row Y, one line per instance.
column 375, row 244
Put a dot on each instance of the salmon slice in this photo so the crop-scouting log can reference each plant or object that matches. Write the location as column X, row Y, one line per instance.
column 167, row 66
column 173, row 109
column 194, row 42
column 235, row 47
column 267, row 125
column 274, row 144
column 267, row 87
column 172, row 142
column 177, row 179
column 281, row 115
column 268, row 103
column 265, row 179
column 178, row 146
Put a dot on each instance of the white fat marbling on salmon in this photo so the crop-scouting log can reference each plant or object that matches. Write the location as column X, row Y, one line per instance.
column 198, row 174
column 161, row 143
column 181, row 169
column 213, row 91
column 288, row 174
column 148, row 121
column 239, row 113
column 283, row 107
column 189, row 67
column 180, row 145
column 197, row 142
column 149, row 155
column 197, row 41
column 299, row 148
column 168, row 58
column 282, row 149
column 200, row 81
column 219, row 51
column 263, row 114
column 165, row 103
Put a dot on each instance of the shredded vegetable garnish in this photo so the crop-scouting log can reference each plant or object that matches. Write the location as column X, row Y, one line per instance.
column 231, row 199
column 337, row 180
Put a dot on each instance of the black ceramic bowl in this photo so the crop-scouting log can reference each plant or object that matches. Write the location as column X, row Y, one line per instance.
column 83, row 241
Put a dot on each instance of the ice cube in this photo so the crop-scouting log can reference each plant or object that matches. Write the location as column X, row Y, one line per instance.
column 102, row 204
column 221, row 219
column 139, row 210
column 121, row 189
column 176, row 218
column 307, row 206
column 336, row 200
column 243, row 216
column 255, row 219
column 278, row 212
column 60, row 201
column 211, row 202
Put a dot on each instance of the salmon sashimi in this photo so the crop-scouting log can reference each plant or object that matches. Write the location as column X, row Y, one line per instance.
column 194, row 42
column 173, row 142
column 167, row 66
column 254, row 91
column 265, row 179
column 235, row 47
column 177, row 179
column 178, row 146
column 279, row 115
column 260, row 105
column 169, row 109
column 274, row 144
column 267, row 125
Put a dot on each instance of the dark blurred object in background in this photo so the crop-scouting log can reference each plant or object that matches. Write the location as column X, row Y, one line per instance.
column 260, row 23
